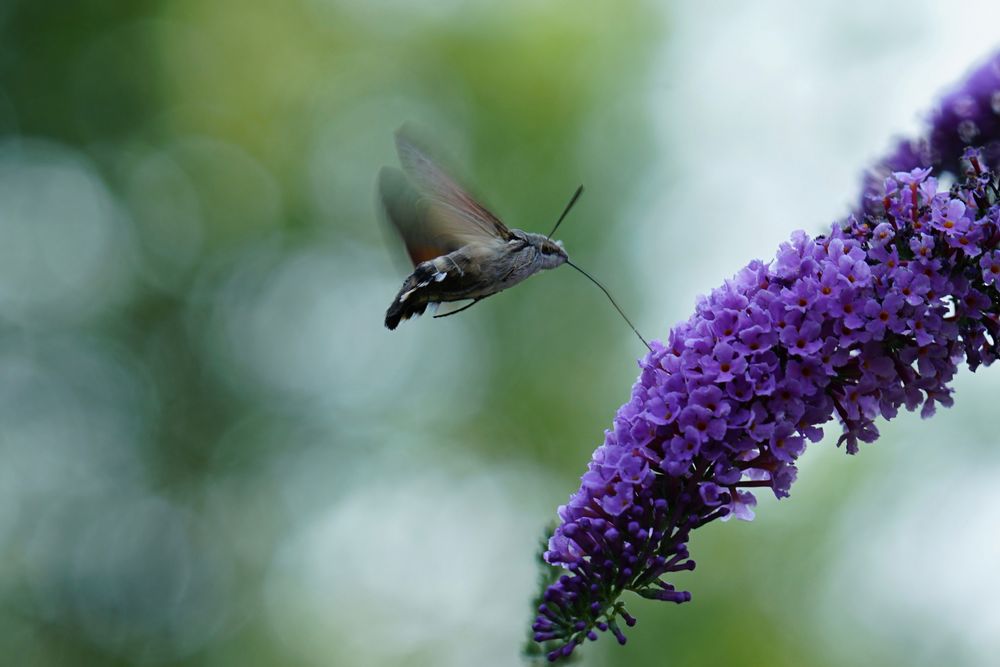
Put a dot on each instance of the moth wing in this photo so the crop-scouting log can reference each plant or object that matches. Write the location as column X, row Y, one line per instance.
column 427, row 228
column 453, row 207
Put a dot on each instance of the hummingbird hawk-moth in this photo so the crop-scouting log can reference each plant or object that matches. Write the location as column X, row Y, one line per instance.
column 459, row 250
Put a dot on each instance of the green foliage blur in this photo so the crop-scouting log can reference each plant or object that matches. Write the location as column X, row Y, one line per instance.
column 193, row 283
column 211, row 451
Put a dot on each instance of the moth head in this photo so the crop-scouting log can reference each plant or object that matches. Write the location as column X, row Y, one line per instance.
column 550, row 253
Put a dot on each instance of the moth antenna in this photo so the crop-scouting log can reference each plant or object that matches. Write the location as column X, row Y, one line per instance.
column 576, row 195
column 608, row 294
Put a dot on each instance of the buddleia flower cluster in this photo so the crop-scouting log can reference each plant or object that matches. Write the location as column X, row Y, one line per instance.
column 845, row 328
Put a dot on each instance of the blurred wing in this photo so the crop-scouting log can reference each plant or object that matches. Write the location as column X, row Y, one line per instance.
column 453, row 208
column 427, row 229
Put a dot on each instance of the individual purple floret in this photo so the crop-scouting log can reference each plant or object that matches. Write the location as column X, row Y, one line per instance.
column 874, row 316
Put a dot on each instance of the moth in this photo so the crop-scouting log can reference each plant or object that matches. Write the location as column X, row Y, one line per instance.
column 459, row 249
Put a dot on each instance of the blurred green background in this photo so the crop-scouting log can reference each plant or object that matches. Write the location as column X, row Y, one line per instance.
column 212, row 452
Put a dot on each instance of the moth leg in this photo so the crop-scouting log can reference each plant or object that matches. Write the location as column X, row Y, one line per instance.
column 465, row 307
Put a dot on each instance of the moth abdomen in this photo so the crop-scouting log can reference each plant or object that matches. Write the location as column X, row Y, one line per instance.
column 412, row 298
column 403, row 310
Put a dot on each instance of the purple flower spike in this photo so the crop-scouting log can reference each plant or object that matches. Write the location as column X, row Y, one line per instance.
column 852, row 325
